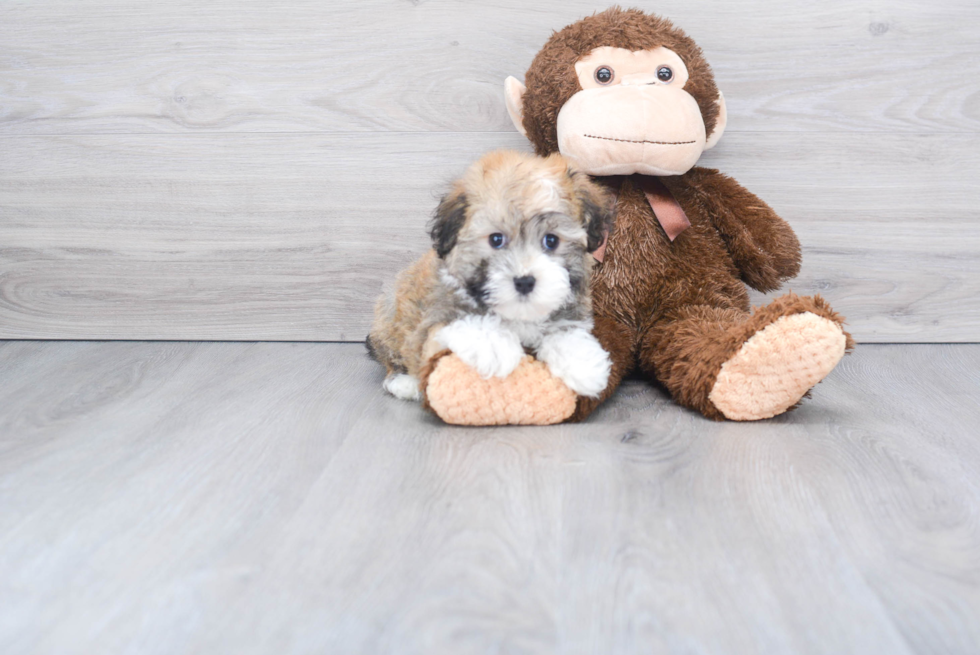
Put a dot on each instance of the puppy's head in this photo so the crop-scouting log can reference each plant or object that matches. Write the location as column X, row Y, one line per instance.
column 516, row 230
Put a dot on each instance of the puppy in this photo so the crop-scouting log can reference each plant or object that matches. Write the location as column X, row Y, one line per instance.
column 509, row 271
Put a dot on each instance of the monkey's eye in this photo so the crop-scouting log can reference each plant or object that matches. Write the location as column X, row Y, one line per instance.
column 498, row 240
column 550, row 241
column 604, row 75
column 664, row 74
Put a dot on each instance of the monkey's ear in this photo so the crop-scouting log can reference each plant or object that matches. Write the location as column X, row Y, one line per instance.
column 514, row 97
column 448, row 219
column 598, row 209
column 720, row 123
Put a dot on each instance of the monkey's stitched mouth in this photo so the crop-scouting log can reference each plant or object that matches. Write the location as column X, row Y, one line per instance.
column 659, row 143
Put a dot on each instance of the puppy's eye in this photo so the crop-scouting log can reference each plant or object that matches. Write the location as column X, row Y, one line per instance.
column 664, row 74
column 604, row 75
column 498, row 240
column 550, row 242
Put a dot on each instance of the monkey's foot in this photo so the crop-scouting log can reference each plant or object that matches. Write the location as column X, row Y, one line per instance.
column 530, row 395
column 777, row 366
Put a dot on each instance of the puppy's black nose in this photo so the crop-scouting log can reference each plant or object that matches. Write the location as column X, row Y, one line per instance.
column 524, row 284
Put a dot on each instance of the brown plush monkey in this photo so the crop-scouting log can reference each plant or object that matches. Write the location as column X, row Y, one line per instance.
column 630, row 99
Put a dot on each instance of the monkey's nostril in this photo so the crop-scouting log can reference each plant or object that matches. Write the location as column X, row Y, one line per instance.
column 524, row 284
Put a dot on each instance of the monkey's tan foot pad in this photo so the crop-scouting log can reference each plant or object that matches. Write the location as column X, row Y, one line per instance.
column 777, row 366
column 530, row 395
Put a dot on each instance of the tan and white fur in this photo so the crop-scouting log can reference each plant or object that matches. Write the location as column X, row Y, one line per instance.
column 509, row 272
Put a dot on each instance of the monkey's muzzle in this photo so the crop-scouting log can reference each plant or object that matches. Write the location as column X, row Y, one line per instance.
column 621, row 130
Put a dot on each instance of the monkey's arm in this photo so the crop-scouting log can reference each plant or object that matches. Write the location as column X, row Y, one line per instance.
column 762, row 245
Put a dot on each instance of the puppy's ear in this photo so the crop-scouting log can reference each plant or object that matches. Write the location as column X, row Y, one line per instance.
column 449, row 217
column 598, row 209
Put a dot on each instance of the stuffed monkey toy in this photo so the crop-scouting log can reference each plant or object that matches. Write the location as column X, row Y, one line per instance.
column 630, row 99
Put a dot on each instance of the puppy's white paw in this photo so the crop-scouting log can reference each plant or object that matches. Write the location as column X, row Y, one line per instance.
column 402, row 385
column 483, row 344
column 576, row 357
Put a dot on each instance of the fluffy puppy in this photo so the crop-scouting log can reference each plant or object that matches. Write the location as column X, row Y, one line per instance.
column 509, row 271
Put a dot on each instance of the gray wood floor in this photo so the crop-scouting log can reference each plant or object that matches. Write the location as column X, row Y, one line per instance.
column 267, row 498
column 250, row 171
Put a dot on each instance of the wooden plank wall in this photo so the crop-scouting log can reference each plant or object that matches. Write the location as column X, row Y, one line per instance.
column 255, row 171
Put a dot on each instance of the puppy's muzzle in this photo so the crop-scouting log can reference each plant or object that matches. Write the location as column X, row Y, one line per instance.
column 524, row 284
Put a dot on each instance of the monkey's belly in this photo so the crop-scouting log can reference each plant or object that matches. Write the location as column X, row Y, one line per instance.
column 645, row 276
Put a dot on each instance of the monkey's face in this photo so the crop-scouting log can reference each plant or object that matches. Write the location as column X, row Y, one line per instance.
column 618, row 93
column 632, row 115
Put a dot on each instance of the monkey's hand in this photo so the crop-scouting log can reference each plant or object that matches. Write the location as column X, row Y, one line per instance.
column 483, row 344
column 576, row 357
column 762, row 245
